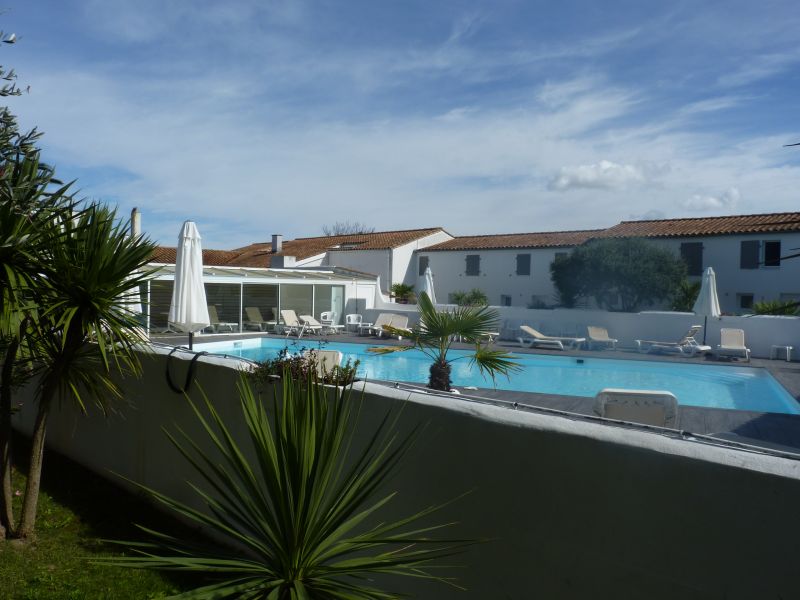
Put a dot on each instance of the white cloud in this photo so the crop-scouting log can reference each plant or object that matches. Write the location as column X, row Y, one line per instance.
column 650, row 215
column 702, row 203
column 604, row 175
column 760, row 67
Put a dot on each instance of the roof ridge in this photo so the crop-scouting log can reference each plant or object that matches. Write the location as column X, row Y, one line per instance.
column 484, row 235
column 321, row 237
column 773, row 214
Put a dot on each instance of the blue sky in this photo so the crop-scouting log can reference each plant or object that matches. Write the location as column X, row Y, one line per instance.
column 253, row 118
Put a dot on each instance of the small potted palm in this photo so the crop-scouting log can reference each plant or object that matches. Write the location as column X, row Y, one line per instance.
column 436, row 331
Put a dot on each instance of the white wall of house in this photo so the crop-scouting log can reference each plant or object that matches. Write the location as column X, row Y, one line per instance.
column 723, row 254
column 404, row 268
column 498, row 277
column 376, row 262
column 567, row 508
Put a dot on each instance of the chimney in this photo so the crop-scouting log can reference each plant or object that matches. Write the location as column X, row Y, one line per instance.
column 277, row 242
column 136, row 223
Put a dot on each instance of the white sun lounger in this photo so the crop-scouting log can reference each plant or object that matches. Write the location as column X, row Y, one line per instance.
column 538, row 339
column 218, row 326
column 687, row 345
column 649, row 407
column 731, row 343
column 326, row 360
column 599, row 336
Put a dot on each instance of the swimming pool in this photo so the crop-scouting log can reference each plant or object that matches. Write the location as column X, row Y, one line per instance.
column 715, row 386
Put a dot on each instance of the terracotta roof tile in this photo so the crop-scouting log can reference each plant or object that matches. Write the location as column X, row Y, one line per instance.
column 771, row 222
column 212, row 258
column 547, row 239
column 260, row 254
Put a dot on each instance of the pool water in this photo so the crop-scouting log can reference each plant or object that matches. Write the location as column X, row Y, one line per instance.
column 714, row 386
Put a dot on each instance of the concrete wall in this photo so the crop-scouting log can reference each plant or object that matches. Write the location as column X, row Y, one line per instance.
column 761, row 332
column 375, row 262
column 570, row 509
column 497, row 274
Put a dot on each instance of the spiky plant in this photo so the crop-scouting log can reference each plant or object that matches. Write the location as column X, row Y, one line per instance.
column 436, row 332
column 303, row 519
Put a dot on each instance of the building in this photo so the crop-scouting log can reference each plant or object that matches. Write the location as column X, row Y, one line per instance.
column 747, row 252
column 511, row 269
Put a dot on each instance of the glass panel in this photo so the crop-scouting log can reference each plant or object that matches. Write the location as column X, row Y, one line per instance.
column 329, row 298
column 260, row 307
column 298, row 298
column 223, row 301
column 160, row 299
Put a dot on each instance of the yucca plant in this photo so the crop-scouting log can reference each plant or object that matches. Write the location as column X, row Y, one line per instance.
column 436, row 332
column 303, row 520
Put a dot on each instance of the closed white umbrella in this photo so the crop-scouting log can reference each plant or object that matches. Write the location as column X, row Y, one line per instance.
column 427, row 284
column 707, row 303
column 188, row 310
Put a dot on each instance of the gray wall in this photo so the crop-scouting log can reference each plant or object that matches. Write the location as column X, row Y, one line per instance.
column 571, row 509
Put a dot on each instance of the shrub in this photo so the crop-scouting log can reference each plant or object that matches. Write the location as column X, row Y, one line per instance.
column 303, row 366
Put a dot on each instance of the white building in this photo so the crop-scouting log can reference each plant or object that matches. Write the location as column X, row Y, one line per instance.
column 511, row 269
column 747, row 252
column 387, row 254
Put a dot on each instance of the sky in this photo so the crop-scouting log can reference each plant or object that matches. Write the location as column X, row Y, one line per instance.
column 259, row 117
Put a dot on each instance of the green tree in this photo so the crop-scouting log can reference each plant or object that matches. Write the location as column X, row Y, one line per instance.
column 436, row 331
column 685, row 295
column 83, row 330
column 777, row 307
column 306, row 513
column 626, row 272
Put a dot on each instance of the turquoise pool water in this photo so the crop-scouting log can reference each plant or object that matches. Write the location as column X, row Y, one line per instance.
column 717, row 386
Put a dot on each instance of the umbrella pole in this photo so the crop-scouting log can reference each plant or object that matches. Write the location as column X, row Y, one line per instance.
column 705, row 325
column 192, row 334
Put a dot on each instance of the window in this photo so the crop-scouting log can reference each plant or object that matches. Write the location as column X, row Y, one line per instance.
column 505, row 300
column 745, row 301
column 772, row 254
column 692, row 254
column 473, row 264
column 523, row 265
column 748, row 257
column 423, row 264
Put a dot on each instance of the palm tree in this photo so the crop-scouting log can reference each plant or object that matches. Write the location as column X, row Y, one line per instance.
column 305, row 514
column 436, row 331
column 83, row 330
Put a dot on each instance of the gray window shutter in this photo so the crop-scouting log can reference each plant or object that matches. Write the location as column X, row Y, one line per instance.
column 692, row 254
column 523, row 264
column 423, row 264
column 749, row 255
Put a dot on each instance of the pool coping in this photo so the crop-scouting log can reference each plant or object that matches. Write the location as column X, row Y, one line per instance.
column 776, row 431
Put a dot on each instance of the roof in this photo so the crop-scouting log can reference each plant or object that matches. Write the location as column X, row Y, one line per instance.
column 260, row 254
column 547, row 239
column 214, row 258
column 769, row 222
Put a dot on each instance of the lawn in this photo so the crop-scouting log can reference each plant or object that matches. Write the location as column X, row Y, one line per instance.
column 76, row 510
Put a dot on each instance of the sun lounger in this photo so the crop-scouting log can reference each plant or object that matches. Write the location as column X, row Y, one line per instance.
column 255, row 320
column 649, row 407
column 538, row 339
column 686, row 346
column 311, row 324
column 325, row 360
column 598, row 336
column 291, row 324
column 399, row 325
column 218, row 326
column 732, row 344
column 372, row 328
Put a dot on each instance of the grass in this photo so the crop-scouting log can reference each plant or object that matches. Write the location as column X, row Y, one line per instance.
column 76, row 510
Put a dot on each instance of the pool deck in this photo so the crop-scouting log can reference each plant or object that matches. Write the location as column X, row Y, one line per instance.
column 771, row 430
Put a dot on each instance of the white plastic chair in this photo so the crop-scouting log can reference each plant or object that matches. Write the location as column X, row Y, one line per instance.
column 352, row 321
